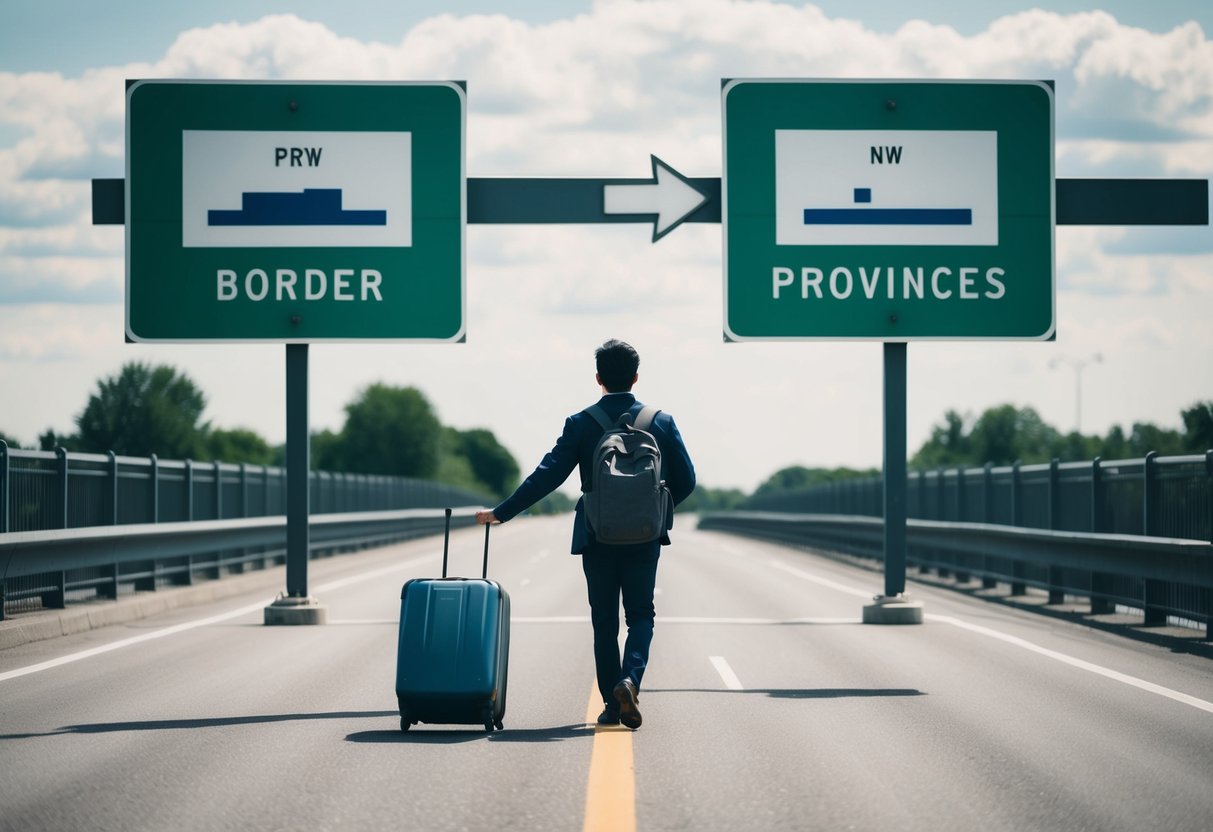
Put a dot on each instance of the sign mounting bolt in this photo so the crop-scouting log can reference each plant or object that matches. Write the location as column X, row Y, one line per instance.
column 890, row 104
column 293, row 106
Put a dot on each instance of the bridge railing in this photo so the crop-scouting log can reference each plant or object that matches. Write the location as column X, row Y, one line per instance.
column 1156, row 496
column 1134, row 533
column 81, row 526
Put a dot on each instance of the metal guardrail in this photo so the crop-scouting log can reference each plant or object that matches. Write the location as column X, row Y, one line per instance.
column 1161, row 576
column 53, row 567
column 1156, row 496
column 59, row 490
column 80, row 526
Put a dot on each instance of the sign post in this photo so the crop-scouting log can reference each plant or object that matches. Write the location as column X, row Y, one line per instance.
column 888, row 211
column 295, row 213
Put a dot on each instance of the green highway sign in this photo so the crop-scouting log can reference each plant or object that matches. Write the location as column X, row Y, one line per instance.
column 888, row 210
column 295, row 212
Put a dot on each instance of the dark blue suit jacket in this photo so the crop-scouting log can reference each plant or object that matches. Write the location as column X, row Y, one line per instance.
column 575, row 448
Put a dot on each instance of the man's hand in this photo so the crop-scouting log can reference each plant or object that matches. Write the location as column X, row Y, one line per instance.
column 484, row 518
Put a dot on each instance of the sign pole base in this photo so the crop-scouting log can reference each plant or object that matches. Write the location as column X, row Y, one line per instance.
column 893, row 609
column 288, row 610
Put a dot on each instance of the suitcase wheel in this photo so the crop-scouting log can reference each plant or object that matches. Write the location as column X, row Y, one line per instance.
column 489, row 720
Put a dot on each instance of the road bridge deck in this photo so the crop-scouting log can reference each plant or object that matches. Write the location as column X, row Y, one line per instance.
column 767, row 706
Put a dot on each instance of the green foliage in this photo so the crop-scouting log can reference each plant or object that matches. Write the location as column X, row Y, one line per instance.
column 1198, row 427
column 491, row 464
column 8, row 440
column 238, row 445
column 1004, row 434
column 144, row 410
column 326, row 451
column 50, row 440
column 797, row 477
column 453, row 467
column 391, row 430
column 949, row 444
column 704, row 499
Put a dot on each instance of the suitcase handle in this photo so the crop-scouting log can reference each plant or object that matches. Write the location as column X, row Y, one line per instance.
column 446, row 547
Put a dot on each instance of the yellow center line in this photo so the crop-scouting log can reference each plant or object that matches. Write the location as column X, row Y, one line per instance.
column 610, row 798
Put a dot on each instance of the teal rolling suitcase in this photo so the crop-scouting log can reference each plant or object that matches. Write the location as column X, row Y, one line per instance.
column 453, row 651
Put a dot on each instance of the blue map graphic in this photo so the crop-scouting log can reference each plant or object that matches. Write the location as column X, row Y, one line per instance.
column 314, row 206
column 886, row 216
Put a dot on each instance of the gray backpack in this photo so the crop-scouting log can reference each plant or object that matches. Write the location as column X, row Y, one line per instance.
column 626, row 500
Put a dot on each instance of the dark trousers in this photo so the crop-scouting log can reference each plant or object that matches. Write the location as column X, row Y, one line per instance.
column 612, row 572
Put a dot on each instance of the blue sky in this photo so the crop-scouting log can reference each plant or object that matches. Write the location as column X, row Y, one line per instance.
column 581, row 89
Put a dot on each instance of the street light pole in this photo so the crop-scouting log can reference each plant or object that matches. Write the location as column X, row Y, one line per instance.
column 1078, row 364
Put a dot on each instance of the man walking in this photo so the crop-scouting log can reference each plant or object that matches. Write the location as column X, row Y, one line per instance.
column 611, row 571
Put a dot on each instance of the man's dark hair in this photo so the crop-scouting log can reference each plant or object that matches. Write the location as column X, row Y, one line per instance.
column 617, row 364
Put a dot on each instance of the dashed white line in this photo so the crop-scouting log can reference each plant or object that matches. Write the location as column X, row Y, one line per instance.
column 726, row 673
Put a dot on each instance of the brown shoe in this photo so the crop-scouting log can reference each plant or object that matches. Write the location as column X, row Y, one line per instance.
column 626, row 695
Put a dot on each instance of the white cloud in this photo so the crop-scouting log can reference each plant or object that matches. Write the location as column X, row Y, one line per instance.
column 594, row 95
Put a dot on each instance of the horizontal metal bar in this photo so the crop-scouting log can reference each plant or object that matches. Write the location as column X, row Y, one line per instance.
column 1187, row 562
column 1132, row 202
column 33, row 553
column 552, row 201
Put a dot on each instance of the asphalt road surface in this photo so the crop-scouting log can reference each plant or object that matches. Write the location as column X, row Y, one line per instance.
column 767, row 706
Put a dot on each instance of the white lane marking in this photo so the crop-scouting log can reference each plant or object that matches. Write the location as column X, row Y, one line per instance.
column 127, row 642
column 1073, row 661
column 726, row 673
column 826, row 582
column 340, row 583
column 731, row 551
column 1081, row 664
column 199, row 622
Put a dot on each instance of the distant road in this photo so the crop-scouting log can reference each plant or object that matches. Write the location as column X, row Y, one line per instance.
column 768, row 706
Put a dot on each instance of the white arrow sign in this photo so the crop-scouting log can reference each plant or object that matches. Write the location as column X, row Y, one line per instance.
column 669, row 195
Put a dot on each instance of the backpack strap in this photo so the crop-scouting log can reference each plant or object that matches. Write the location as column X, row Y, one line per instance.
column 600, row 417
column 644, row 419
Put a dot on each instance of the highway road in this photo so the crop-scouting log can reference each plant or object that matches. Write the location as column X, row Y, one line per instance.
column 767, row 706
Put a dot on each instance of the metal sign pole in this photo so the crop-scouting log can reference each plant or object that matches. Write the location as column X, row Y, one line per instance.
column 894, row 607
column 894, row 469
column 297, row 465
column 296, row 606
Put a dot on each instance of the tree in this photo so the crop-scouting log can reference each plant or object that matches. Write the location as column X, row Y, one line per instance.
column 712, row 499
column 391, row 430
column 1198, row 427
column 796, row 477
column 490, row 462
column 238, row 445
column 948, row 445
column 1005, row 434
column 327, row 452
column 8, row 440
column 144, row 410
column 1146, row 437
